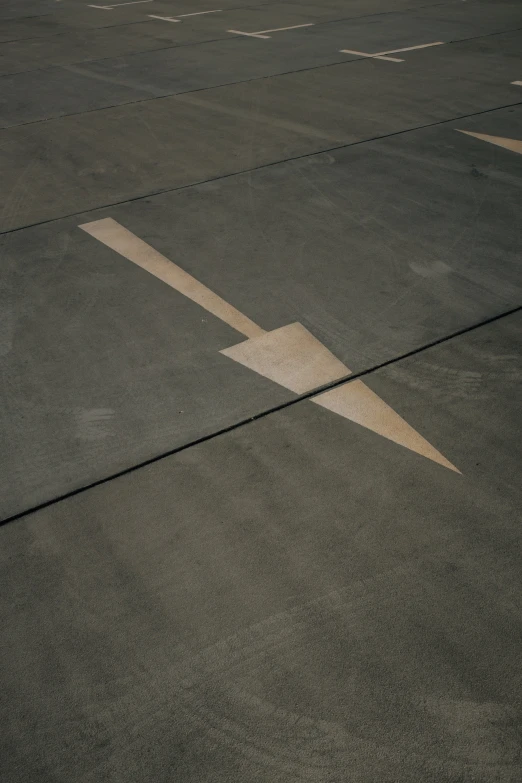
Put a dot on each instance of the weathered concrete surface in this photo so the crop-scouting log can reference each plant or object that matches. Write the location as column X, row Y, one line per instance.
column 32, row 96
column 377, row 249
column 287, row 602
column 106, row 157
column 288, row 596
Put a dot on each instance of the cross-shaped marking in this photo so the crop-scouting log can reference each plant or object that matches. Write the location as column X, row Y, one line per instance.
column 384, row 55
column 182, row 16
column 163, row 18
column 111, row 7
column 200, row 13
column 262, row 33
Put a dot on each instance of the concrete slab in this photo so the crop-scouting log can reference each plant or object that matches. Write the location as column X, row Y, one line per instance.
column 289, row 601
column 141, row 35
column 144, row 33
column 204, row 21
column 393, row 30
column 14, row 9
column 72, row 16
column 80, row 45
column 354, row 8
column 491, row 16
column 194, row 137
column 56, row 91
column 123, row 368
column 303, row 590
column 41, row 20
column 172, row 71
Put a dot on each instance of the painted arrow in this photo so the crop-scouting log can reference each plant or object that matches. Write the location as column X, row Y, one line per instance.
column 514, row 145
column 290, row 356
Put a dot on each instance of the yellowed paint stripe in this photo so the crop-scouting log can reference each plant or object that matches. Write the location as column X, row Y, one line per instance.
column 128, row 245
column 291, row 357
column 515, row 145
column 356, row 402
column 295, row 359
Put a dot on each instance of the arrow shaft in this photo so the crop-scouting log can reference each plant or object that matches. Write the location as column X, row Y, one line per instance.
column 128, row 245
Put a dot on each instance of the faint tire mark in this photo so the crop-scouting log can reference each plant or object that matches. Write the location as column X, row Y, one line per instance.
column 94, row 424
column 447, row 383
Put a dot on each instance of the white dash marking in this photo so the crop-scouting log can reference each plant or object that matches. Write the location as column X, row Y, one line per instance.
column 110, row 7
column 279, row 29
column 384, row 55
column 262, row 33
column 411, row 48
column 519, row 84
column 163, row 18
column 367, row 55
column 201, row 13
column 249, row 35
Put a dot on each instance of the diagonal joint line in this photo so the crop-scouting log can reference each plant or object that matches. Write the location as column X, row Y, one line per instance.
column 256, row 417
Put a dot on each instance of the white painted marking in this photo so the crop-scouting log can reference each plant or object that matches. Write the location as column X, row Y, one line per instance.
column 519, row 84
column 262, row 33
column 411, row 48
column 384, row 55
column 249, row 35
column 163, row 18
column 110, row 7
column 294, row 27
column 133, row 2
column 371, row 56
column 201, row 13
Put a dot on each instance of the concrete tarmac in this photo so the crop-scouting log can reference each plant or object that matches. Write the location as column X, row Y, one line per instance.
column 260, row 371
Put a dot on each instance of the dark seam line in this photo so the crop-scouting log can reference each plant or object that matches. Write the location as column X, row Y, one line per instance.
column 6, row 19
column 68, row 66
column 262, row 167
column 125, row 24
column 210, row 40
column 262, row 415
column 236, row 8
column 73, row 67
